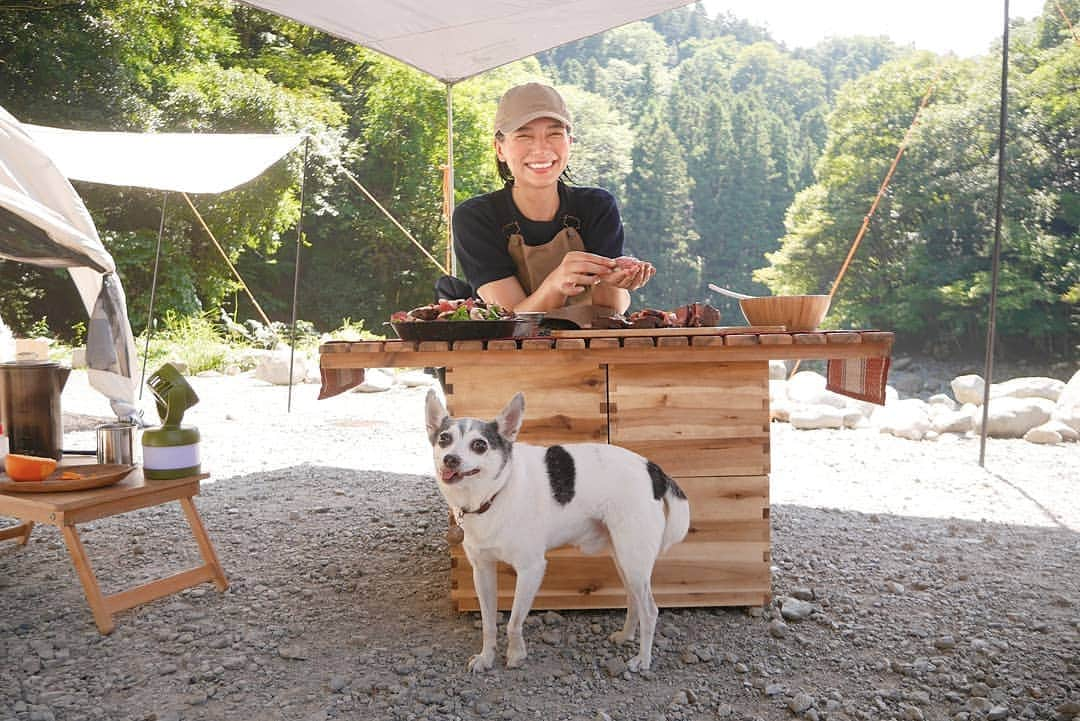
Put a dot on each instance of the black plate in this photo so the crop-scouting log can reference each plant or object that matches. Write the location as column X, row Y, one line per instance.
column 450, row 330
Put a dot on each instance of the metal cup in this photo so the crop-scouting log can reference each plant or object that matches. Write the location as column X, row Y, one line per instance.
column 115, row 442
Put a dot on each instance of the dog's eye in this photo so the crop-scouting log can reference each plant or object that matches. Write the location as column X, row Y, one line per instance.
column 445, row 439
column 478, row 446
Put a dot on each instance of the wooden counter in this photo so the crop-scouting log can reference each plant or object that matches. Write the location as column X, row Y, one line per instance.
column 695, row 401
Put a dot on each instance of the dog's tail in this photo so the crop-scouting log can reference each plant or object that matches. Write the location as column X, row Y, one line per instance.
column 678, row 514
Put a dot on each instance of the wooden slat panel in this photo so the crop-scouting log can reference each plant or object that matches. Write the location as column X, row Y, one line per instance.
column 673, row 341
column 433, row 346
column 775, row 339
column 562, row 403
column 666, row 597
column 502, row 345
column 740, row 339
column 707, row 340
column 537, row 343
column 468, row 345
column 843, row 337
column 726, row 498
column 706, row 457
column 688, row 569
column 601, row 342
column 809, row 339
column 572, row 343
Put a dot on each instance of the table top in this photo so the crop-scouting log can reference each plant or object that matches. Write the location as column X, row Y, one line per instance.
column 732, row 343
column 134, row 491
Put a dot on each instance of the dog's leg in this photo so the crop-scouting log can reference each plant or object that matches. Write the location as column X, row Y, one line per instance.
column 528, row 583
column 641, row 590
column 630, row 626
column 485, row 579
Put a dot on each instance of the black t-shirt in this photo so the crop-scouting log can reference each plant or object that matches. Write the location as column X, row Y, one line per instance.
column 480, row 241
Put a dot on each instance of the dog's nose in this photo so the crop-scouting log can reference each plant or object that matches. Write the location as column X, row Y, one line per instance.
column 451, row 460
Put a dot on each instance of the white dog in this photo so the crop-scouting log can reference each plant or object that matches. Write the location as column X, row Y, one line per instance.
column 516, row 501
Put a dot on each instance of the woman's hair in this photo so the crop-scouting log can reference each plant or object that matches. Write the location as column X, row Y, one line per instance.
column 504, row 170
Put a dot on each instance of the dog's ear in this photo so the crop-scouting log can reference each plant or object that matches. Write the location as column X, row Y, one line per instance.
column 509, row 420
column 436, row 412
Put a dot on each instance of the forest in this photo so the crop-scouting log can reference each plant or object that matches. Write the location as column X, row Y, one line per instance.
column 734, row 159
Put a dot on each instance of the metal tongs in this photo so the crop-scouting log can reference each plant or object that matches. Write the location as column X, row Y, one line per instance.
column 729, row 293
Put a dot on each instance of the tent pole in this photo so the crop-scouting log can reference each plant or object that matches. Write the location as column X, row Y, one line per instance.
column 451, row 260
column 996, row 263
column 296, row 274
column 153, row 288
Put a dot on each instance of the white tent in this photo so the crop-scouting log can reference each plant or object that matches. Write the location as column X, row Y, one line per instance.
column 456, row 40
column 43, row 221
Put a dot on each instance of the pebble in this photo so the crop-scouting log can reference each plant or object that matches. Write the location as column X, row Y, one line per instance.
column 800, row 702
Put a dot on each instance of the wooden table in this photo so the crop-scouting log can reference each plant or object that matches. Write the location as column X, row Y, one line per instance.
column 66, row 510
column 695, row 401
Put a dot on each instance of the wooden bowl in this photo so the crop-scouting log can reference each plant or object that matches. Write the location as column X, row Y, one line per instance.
column 801, row 313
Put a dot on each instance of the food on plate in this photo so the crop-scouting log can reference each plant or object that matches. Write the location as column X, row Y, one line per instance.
column 71, row 476
column 691, row 315
column 28, row 468
column 469, row 309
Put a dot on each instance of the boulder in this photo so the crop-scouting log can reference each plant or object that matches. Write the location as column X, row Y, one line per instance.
column 953, row 421
column 909, row 418
column 806, row 387
column 811, row 417
column 968, row 389
column 1030, row 387
column 376, row 380
column 416, row 379
column 1013, row 417
column 1062, row 429
column 1042, row 434
column 777, row 370
column 273, row 368
column 1067, row 409
column 940, row 399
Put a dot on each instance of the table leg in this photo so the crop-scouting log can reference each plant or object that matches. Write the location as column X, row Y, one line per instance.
column 102, row 617
column 205, row 546
column 20, row 531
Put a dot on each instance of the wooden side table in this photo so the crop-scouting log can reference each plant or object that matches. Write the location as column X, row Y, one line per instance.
column 66, row 510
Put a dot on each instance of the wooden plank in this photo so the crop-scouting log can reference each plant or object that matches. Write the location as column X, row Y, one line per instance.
column 700, row 341
column 571, row 344
column 775, row 339
column 673, row 597
column 673, row 341
column 639, row 342
column 600, row 354
column 538, row 343
column 705, row 457
column 432, row 346
column 338, row 346
column 597, row 343
column 660, row 332
column 157, row 589
column 809, row 338
column 739, row 339
column 562, row 403
column 502, row 345
column 463, row 345
column 843, row 337
column 721, row 499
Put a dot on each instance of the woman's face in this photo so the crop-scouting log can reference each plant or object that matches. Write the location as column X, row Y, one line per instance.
column 536, row 153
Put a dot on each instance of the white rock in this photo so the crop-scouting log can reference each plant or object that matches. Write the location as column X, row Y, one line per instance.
column 810, row 417
column 968, row 389
column 891, row 395
column 940, row 399
column 415, row 379
column 376, row 380
column 909, row 418
column 1062, row 429
column 780, row 411
column 274, row 368
column 855, row 418
column 1030, row 387
column 1013, row 417
column 806, row 386
column 1067, row 409
column 952, row 421
column 78, row 357
column 777, row 370
column 1042, row 434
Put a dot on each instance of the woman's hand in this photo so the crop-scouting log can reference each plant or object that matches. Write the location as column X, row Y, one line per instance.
column 579, row 271
column 630, row 273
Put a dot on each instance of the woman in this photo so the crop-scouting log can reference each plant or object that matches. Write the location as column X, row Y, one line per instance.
column 538, row 244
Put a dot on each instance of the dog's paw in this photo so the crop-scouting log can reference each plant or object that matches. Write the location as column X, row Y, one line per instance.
column 639, row 663
column 482, row 662
column 515, row 656
column 620, row 637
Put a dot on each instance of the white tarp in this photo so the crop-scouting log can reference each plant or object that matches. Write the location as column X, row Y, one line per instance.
column 461, row 38
column 43, row 221
column 181, row 162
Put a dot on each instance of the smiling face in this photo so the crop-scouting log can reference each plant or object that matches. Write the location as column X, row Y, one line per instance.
column 536, row 153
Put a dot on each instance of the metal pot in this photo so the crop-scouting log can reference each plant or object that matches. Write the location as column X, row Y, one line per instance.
column 30, row 407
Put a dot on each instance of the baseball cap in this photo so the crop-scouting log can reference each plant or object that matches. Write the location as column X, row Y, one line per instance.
column 522, row 104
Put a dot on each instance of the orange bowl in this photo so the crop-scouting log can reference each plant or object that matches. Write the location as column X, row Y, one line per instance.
column 801, row 313
column 28, row 468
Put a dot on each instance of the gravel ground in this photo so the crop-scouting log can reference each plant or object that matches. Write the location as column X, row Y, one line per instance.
column 909, row 583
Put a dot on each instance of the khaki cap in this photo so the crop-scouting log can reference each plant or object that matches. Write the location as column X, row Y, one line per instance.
column 522, row 104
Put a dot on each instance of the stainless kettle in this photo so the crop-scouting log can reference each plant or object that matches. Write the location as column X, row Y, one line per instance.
column 30, row 407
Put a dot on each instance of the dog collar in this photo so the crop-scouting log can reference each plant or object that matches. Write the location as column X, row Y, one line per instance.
column 483, row 506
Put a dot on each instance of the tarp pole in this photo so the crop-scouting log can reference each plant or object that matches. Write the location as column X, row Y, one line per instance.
column 996, row 263
column 452, row 261
column 296, row 274
column 153, row 288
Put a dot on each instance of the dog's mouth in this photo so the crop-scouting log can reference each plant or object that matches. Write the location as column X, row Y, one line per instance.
column 450, row 475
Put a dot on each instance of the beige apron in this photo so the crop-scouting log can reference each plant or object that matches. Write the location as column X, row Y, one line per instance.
column 534, row 263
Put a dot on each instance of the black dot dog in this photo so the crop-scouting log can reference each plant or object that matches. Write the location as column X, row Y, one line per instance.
column 515, row 501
